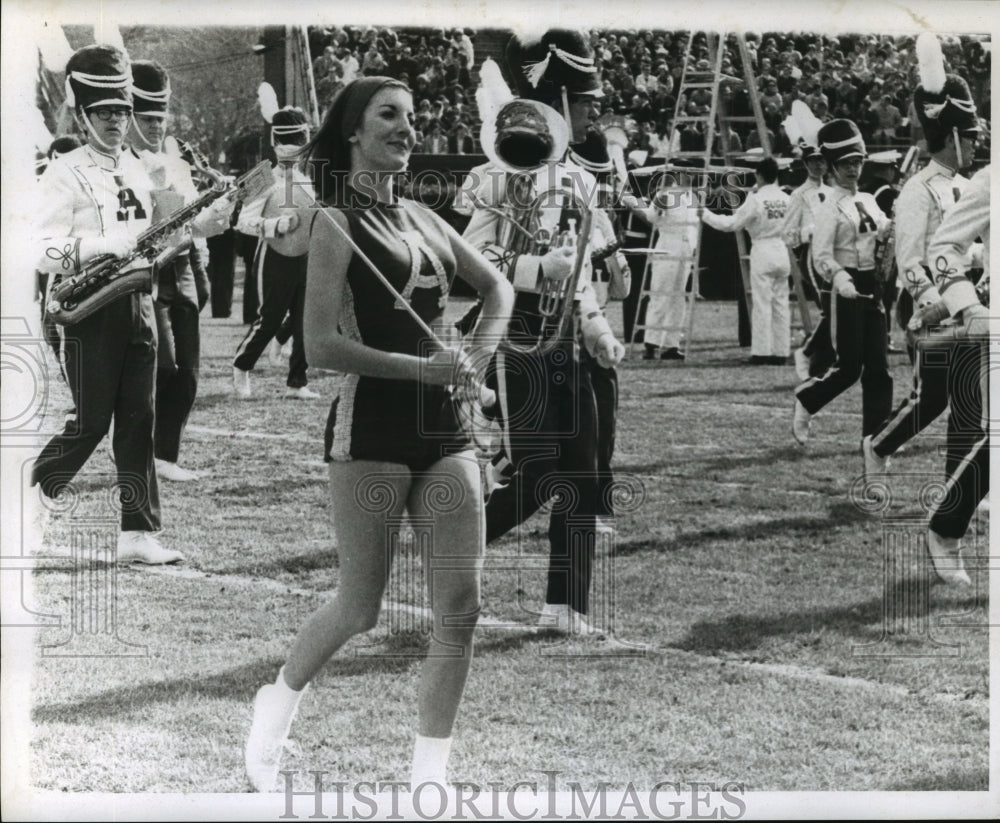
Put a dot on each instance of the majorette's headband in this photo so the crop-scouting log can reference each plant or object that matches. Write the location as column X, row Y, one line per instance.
column 283, row 130
column 535, row 71
column 98, row 81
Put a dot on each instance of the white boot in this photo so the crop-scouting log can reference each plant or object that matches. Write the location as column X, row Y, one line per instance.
column 274, row 710
column 241, row 383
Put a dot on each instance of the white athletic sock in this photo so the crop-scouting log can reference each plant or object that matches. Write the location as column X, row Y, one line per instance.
column 430, row 760
column 286, row 698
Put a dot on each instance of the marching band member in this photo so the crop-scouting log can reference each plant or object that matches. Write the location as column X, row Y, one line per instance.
column 96, row 200
column 547, row 404
column 969, row 478
column 817, row 354
column 281, row 276
column 763, row 216
column 848, row 225
column 182, row 289
column 674, row 216
column 394, row 393
column 948, row 117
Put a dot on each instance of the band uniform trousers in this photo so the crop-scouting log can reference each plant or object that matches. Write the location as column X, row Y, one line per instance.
column 548, row 416
column 969, row 482
column 860, row 340
column 946, row 373
column 605, row 385
column 246, row 250
column 283, row 285
column 222, row 271
column 178, row 354
column 110, row 366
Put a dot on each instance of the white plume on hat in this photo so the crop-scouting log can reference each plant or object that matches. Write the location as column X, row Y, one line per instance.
column 930, row 63
column 54, row 48
column 267, row 98
column 802, row 125
column 492, row 93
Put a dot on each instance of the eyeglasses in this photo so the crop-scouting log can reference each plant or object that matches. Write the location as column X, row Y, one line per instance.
column 107, row 114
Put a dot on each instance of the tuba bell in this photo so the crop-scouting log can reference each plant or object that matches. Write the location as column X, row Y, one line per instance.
column 524, row 138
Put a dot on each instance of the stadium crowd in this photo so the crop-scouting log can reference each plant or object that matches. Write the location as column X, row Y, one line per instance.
column 864, row 78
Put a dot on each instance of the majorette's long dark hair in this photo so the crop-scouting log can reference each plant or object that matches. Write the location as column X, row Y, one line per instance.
column 328, row 153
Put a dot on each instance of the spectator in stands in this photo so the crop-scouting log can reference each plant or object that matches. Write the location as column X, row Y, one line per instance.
column 645, row 80
column 460, row 141
column 349, row 63
column 888, row 119
column 434, row 141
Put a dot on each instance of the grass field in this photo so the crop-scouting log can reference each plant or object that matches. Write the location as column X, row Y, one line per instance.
column 780, row 656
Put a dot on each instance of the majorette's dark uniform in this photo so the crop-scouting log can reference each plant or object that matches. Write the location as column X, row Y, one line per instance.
column 397, row 421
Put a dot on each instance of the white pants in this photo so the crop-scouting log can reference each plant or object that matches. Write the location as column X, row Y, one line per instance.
column 769, row 269
column 667, row 283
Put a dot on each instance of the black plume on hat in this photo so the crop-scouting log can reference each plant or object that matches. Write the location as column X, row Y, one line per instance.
column 560, row 58
column 150, row 87
column 943, row 101
column 98, row 75
column 840, row 139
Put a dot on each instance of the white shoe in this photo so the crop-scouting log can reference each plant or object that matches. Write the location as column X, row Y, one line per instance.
column 874, row 464
column 801, row 364
column 946, row 556
column 241, row 383
column 800, row 423
column 165, row 470
column 144, row 547
column 565, row 620
column 301, row 393
column 274, row 352
column 272, row 719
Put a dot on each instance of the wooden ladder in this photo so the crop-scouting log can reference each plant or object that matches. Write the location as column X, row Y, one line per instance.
column 716, row 120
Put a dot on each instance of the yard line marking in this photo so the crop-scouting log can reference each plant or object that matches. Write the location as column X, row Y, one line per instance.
column 232, row 433
column 783, row 670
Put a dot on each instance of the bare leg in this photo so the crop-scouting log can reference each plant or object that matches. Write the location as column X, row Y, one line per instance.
column 449, row 493
column 363, row 495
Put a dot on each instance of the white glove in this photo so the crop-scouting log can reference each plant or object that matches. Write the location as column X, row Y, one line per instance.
column 214, row 219
column 844, row 286
column 117, row 245
column 608, row 351
column 558, row 263
column 277, row 226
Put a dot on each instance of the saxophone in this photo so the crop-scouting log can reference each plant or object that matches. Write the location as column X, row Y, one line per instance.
column 105, row 278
